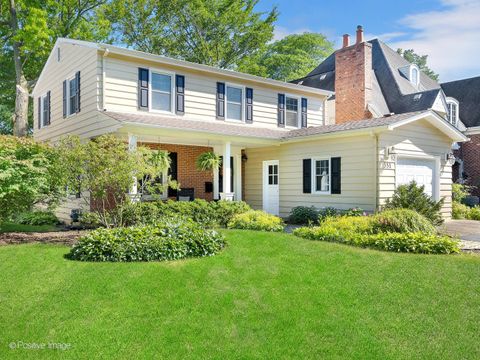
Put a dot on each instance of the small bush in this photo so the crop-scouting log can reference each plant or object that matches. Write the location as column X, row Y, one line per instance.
column 37, row 218
column 402, row 221
column 411, row 196
column 474, row 213
column 170, row 239
column 303, row 215
column 256, row 220
column 89, row 219
column 226, row 210
column 459, row 211
column 471, row 200
column 460, row 192
column 327, row 213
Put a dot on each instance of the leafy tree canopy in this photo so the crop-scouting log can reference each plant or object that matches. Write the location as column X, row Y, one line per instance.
column 420, row 60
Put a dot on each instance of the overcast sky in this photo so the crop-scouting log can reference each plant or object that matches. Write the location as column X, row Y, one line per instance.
column 446, row 30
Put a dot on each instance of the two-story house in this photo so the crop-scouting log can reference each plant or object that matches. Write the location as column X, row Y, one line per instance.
column 280, row 147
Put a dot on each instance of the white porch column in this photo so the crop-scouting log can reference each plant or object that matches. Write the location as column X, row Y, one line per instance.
column 227, row 193
column 132, row 146
column 215, row 184
column 238, row 176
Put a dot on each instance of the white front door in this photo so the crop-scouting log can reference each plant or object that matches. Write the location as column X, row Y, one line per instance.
column 420, row 170
column 271, row 193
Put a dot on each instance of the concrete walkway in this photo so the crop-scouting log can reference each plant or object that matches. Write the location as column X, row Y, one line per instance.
column 467, row 230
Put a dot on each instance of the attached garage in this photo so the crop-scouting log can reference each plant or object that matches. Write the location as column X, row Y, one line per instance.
column 422, row 171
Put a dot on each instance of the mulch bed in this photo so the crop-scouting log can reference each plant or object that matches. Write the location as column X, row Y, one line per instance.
column 54, row 237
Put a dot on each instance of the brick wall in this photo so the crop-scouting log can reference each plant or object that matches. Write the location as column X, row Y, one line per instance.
column 188, row 174
column 353, row 82
column 470, row 153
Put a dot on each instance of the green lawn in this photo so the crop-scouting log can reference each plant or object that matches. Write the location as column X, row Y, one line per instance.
column 13, row 227
column 265, row 296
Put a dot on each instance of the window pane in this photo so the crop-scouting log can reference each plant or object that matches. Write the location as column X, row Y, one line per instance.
column 234, row 95
column 72, row 84
column 161, row 101
column 291, row 119
column 322, row 182
column 44, row 110
column 234, row 111
column 292, row 104
column 161, row 82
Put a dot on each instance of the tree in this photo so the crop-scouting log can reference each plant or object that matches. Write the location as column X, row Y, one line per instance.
column 290, row 58
column 103, row 170
column 219, row 33
column 420, row 61
column 28, row 30
column 30, row 173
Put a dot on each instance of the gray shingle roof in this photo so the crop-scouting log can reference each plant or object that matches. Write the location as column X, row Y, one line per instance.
column 246, row 130
column 392, row 91
column 467, row 92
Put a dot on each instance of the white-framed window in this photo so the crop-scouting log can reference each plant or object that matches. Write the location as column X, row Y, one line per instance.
column 161, row 91
column 43, row 111
column 452, row 111
column 71, row 95
column 292, row 111
column 234, row 102
column 414, row 76
column 321, row 179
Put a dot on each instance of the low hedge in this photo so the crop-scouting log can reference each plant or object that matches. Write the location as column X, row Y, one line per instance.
column 208, row 213
column 311, row 215
column 256, row 220
column 37, row 217
column 170, row 239
column 395, row 230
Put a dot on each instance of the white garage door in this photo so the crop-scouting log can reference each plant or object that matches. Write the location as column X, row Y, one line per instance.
column 420, row 170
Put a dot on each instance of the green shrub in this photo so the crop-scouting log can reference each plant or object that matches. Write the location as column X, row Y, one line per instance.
column 37, row 217
column 169, row 239
column 303, row 215
column 459, row 210
column 226, row 210
column 256, row 220
column 474, row 213
column 89, row 219
column 460, row 192
column 402, row 221
column 326, row 213
column 411, row 196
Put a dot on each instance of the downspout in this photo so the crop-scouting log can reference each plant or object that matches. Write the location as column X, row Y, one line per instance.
column 375, row 170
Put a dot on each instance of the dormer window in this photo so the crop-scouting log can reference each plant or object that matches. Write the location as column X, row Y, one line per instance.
column 412, row 73
column 415, row 76
column 452, row 111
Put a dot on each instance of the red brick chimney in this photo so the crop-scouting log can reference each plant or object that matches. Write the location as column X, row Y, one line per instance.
column 353, row 80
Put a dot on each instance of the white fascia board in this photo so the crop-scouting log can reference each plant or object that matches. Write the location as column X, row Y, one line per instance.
column 435, row 120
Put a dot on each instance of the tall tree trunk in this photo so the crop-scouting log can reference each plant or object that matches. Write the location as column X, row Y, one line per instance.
column 20, row 118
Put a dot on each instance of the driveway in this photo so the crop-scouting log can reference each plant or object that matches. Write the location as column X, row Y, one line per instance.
column 467, row 230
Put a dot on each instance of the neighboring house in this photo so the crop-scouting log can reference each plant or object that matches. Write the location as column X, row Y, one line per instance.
column 280, row 148
column 466, row 94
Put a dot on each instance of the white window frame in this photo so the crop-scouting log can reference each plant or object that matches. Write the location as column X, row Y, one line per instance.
column 314, row 175
column 412, row 68
column 172, row 90
column 242, row 105
column 299, row 110
column 68, row 114
column 454, row 101
column 42, row 109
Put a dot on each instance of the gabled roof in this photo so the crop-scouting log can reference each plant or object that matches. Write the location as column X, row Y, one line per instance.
column 392, row 91
column 467, row 93
column 246, row 130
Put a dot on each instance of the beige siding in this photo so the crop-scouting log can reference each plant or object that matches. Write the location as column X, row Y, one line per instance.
column 86, row 123
column 417, row 139
column 200, row 93
column 358, row 185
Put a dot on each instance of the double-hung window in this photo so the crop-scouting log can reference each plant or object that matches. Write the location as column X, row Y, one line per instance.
column 321, row 175
column 44, row 111
column 72, row 95
column 234, row 103
column 161, row 92
column 452, row 112
column 291, row 107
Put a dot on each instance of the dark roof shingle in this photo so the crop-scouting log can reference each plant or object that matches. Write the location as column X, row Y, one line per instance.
column 467, row 92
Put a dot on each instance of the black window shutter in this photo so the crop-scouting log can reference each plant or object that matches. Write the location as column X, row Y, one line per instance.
column 307, row 176
column 48, row 109
column 220, row 101
column 173, row 172
column 142, row 89
column 77, row 92
column 336, row 168
column 281, row 110
column 249, row 105
column 304, row 112
column 64, row 98
column 180, row 94
column 39, row 112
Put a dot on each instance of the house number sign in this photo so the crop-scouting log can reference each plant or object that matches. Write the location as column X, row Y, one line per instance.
column 386, row 165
